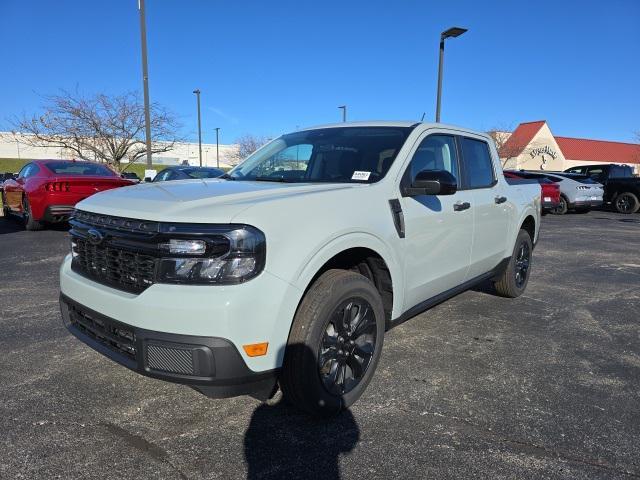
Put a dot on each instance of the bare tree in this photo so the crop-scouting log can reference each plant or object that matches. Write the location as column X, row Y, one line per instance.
column 505, row 144
column 102, row 128
column 247, row 144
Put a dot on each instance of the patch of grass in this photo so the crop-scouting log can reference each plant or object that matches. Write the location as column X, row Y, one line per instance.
column 12, row 165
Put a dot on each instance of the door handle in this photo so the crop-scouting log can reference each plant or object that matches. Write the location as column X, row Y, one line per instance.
column 459, row 206
column 500, row 199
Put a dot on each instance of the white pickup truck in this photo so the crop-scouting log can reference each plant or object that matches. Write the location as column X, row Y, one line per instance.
column 289, row 269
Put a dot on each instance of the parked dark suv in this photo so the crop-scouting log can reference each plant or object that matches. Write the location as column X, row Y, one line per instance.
column 621, row 188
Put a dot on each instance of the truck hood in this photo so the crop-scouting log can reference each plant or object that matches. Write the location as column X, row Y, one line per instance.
column 197, row 201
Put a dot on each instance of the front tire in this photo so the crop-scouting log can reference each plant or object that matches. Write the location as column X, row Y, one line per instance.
column 335, row 343
column 626, row 202
column 513, row 281
column 27, row 216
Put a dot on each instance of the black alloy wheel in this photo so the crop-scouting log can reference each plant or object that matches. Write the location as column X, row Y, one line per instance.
column 626, row 203
column 27, row 216
column 512, row 281
column 562, row 207
column 347, row 346
column 523, row 260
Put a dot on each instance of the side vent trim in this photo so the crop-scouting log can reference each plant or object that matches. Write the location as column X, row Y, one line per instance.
column 398, row 217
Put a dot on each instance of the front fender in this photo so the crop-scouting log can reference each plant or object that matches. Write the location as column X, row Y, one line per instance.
column 333, row 246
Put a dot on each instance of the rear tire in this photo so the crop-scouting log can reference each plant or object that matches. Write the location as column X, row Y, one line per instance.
column 513, row 281
column 626, row 202
column 29, row 223
column 334, row 345
column 562, row 207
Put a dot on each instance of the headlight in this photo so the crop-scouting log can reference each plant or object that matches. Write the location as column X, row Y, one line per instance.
column 230, row 256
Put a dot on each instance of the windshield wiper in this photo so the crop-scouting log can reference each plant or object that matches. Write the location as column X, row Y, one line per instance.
column 273, row 179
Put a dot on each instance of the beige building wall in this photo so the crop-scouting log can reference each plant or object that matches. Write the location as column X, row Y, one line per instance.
column 11, row 147
column 542, row 153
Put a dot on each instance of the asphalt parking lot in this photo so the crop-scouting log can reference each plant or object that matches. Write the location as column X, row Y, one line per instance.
column 544, row 386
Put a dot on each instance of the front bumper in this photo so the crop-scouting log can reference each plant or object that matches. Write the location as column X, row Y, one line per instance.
column 210, row 365
column 259, row 310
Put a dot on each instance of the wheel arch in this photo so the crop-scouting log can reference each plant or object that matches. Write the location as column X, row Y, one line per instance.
column 362, row 253
column 529, row 226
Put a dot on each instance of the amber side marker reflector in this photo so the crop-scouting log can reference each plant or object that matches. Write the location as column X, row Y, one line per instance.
column 256, row 349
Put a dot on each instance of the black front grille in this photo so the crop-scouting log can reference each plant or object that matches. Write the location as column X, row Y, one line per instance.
column 126, row 270
column 111, row 334
column 125, row 253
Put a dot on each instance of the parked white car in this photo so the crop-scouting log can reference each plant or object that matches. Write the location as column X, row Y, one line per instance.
column 578, row 193
column 291, row 267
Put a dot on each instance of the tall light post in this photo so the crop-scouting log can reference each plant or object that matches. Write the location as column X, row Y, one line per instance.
column 145, row 80
column 217, row 147
column 450, row 33
column 197, row 92
column 344, row 112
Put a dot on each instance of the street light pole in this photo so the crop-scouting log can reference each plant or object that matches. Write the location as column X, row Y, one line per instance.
column 217, row 147
column 344, row 112
column 197, row 92
column 450, row 33
column 145, row 80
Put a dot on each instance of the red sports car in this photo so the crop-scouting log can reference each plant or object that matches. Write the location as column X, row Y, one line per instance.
column 46, row 191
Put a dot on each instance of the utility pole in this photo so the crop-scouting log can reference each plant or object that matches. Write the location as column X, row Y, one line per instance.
column 450, row 33
column 217, row 147
column 344, row 112
column 197, row 92
column 145, row 80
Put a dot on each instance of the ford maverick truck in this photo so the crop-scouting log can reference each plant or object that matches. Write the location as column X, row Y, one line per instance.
column 287, row 271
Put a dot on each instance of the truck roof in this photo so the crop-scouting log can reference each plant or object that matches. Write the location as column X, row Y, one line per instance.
column 384, row 123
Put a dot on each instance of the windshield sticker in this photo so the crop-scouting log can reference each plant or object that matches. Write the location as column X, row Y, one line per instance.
column 357, row 175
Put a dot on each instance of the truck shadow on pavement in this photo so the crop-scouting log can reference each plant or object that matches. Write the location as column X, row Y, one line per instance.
column 9, row 225
column 281, row 443
column 284, row 442
column 15, row 225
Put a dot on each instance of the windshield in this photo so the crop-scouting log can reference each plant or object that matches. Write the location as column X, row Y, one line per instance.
column 79, row 168
column 336, row 155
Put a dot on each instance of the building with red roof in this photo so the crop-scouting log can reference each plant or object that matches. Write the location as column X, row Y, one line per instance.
column 532, row 146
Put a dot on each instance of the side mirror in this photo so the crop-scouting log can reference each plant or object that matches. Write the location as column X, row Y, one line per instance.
column 432, row 182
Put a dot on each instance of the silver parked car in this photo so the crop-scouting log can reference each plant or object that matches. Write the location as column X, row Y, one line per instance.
column 578, row 193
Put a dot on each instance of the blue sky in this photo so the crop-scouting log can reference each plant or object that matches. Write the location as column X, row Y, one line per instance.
column 265, row 67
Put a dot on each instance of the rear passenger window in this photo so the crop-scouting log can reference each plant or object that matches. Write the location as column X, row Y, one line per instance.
column 477, row 162
column 436, row 152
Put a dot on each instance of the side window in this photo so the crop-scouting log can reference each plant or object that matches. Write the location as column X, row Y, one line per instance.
column 619, row 171
column 436, row 152
column 477, row 163
column 24, row 172
column 162, row 176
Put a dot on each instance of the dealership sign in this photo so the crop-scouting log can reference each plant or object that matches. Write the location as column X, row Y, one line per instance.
column 543, row 151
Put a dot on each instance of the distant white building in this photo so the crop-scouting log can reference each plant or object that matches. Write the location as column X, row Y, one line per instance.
column 11, row 147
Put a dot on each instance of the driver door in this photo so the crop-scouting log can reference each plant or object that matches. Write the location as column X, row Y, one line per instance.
column 438, row 228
